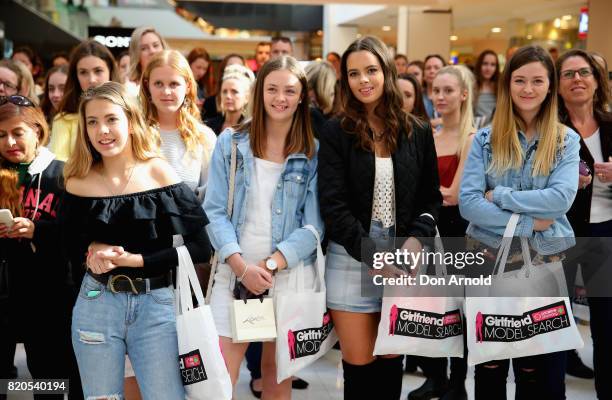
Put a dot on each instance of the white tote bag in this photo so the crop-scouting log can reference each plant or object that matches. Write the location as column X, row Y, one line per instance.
column 418, row 324
column 201, row 363
column 501, row 327
column 305, row 330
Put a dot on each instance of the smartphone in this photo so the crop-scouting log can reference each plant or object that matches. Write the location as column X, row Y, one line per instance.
column 6, row 217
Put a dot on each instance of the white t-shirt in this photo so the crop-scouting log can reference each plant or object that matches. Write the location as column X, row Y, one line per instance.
column 192, row 168
column 601, row 200
column 256, row 237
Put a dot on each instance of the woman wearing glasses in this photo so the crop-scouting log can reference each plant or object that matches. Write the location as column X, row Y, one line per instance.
column 33, row 273
column 583, row 100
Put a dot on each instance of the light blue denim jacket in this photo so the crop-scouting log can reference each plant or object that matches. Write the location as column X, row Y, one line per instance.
column 518, row 191
column 295, row 203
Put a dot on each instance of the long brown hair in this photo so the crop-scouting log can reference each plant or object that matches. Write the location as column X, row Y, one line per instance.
column 144, row 141
column 478, row 73
column 601, row 98
column 389, row 109
column 73, row 91
column 45, row 104
column 300, row 138
column 10, row 194
column 505, row 144
column 419, row 107
column 207, row 82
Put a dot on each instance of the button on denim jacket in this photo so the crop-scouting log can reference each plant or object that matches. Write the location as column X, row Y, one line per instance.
column 518, row 191
column 295, row 203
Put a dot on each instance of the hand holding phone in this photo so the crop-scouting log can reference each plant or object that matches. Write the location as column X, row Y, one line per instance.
column 6, row 218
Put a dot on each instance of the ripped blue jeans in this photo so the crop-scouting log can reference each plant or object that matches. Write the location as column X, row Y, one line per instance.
column 106, row 326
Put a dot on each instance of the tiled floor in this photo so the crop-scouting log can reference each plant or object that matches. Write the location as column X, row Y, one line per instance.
column 325, row 377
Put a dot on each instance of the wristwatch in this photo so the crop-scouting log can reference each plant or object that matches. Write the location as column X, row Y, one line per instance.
column 271, row 265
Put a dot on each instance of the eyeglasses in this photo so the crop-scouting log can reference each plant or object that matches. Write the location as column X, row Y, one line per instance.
column 570, row 73
column 17, row 100
column 8, row 85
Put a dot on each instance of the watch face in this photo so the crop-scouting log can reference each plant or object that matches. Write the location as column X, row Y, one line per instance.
column 271, row 264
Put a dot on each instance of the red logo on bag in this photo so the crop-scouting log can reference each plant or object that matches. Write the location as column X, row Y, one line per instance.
column 424, row 324
column 307, row 342
column 192, row 361
column 513, row 328
column 192, row 370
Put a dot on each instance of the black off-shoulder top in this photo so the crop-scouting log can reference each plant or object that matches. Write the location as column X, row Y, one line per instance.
column 143, row 223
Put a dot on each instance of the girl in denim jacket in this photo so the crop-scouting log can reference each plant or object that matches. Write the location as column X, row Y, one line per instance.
column 275, row 196
column 525, row 163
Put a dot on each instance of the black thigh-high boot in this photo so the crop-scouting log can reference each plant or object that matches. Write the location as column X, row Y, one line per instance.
column 389, row 375
column 359, row 381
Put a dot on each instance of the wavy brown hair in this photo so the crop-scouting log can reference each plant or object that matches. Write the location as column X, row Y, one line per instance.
column 300, row 138
column 601, row 98
column 354, row 119
column 10, row 194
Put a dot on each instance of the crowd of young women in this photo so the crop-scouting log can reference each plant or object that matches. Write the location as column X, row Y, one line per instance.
column 398, row 160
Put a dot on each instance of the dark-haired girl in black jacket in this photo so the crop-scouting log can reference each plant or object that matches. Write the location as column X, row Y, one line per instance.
column 377, row 180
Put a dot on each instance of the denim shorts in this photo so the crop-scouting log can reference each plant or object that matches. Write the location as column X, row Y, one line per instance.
column 349, row 287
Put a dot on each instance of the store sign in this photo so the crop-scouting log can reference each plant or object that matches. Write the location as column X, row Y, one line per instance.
column 113, row 41
column 116, row 39
column 583, row 24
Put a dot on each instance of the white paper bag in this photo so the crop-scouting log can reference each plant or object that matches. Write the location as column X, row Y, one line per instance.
column 305, row 329
column 253, row 320
column 201, row 363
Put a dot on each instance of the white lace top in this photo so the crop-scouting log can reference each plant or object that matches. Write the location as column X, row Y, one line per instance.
column 383, row 207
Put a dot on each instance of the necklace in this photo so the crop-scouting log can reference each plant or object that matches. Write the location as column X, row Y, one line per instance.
column 109, row 185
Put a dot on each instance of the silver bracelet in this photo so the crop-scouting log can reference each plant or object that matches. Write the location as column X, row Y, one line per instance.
column 246, row 268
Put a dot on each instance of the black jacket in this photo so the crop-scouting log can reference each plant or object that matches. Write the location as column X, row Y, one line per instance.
column 580, row 212
column 346, row 187
column 38, row 267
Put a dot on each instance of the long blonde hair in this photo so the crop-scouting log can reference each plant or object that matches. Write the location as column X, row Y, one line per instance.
column 188, row 116
column 135, row 67
column 465, row 78
column 144, row 141
column 505, row 144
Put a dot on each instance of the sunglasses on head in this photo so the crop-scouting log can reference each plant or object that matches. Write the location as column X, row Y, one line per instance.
column 17, row 100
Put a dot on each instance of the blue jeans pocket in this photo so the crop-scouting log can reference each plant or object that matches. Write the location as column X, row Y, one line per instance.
column 164, row 296
column 91, row 289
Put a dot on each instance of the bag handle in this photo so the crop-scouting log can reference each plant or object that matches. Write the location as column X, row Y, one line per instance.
column 187, row 279
column 230, row 209
column 506, row 244
column 320, row 264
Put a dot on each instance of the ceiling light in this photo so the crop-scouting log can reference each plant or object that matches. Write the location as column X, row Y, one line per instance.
column 566, row 17
column 557, row 23
column 529, row 37
column 496, row 29
column 386, row 28
column 454, row 38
